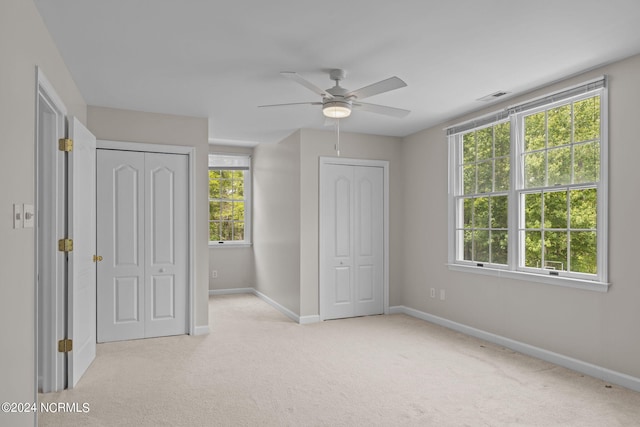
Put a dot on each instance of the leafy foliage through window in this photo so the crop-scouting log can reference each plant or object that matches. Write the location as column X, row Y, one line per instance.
column 228, row 201
column 485, row 170
column 527, row 189
column 561, row 160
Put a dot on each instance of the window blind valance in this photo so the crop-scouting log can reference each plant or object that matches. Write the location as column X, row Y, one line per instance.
column 579, row 89
column 229, row 162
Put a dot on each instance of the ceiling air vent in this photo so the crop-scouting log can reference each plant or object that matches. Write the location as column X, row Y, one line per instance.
column 493, row 96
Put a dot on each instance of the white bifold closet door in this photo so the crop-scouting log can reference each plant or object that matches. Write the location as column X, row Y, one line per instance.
column 353, row 241
column 142, row 219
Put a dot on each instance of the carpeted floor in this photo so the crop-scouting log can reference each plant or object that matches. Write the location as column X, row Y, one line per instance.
column 257, row 368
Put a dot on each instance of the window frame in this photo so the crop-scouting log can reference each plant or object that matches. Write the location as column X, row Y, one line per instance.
column 459, row 197
column 247, row 200
column 515, row 265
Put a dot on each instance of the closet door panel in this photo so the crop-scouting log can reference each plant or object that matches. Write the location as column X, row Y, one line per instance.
column 166, row 244
column 337, row 211
column 369, row 240
column 120, row 241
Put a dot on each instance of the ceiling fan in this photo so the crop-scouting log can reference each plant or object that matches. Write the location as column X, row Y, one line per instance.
column 337, row 102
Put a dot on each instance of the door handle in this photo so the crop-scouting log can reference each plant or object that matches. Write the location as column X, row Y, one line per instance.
column 97, row 258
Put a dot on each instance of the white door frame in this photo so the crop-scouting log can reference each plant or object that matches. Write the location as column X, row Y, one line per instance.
column 50, row 265
column 191, row 153
column 324, row 161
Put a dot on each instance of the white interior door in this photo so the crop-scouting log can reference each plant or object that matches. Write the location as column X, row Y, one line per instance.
column 120, row 242
column 369, row 240
column 352, row 238
column 166, row 231
column 143, row 238
column 81, row 291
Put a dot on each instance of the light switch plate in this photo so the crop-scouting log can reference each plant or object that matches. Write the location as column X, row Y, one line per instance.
column 29, row 216
column 17, row 216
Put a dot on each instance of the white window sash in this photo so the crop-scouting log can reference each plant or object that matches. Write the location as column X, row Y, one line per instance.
column 516, row 251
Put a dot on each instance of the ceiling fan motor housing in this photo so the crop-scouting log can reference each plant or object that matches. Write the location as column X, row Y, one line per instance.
column 339, row 106
column 337, row 75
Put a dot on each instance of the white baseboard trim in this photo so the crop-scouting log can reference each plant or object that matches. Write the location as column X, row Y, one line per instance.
column 282, row 309
column 596, row 371
column 201, row 330
column 232, row 291
column 305, row 320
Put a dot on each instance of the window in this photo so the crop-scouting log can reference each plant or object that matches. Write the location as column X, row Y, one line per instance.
column 229, row 199
column 483, row 203
column 528, row 191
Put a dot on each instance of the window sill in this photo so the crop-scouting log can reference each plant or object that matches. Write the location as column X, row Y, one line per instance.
column 230, row 245
column 568, row 282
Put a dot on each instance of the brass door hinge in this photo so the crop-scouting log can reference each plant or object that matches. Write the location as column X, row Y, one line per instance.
column 97, row 258
column 65, row 345
column 65, row 245
column 65, row 144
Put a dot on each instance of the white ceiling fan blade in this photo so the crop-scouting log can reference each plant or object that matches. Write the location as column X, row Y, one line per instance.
column 376, row 88
column 291, row 103
column 381, row 109
column 306, row 83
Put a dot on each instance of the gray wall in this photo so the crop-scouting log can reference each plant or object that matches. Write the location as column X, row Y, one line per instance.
column 24, row 43
column 133, row 126
column 598, row 328
column 276, row 221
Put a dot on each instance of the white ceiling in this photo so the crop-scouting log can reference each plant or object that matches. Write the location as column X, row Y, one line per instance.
column 221, row 59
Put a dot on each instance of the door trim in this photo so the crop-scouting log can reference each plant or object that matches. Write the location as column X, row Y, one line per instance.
column 384, row 164
column 49, row 197
column 191, row 179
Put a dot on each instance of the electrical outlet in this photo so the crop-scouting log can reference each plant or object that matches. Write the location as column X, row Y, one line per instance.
column 433, row 292
column 441, row 294
column 214, row 274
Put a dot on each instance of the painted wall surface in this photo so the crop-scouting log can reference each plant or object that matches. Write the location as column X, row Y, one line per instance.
column 234, row 264
column 276, row 221
column 132, row 126
column 24, row 44
column 594, row 327
column 313, row 145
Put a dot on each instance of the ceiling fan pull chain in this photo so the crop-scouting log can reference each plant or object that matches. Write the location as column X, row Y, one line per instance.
column 337, row 146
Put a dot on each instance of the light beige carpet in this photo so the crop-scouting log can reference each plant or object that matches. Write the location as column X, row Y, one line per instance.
column 257, row 368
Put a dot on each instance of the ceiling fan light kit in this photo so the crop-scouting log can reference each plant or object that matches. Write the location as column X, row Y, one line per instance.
column 336, row 109
column 337, row 102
